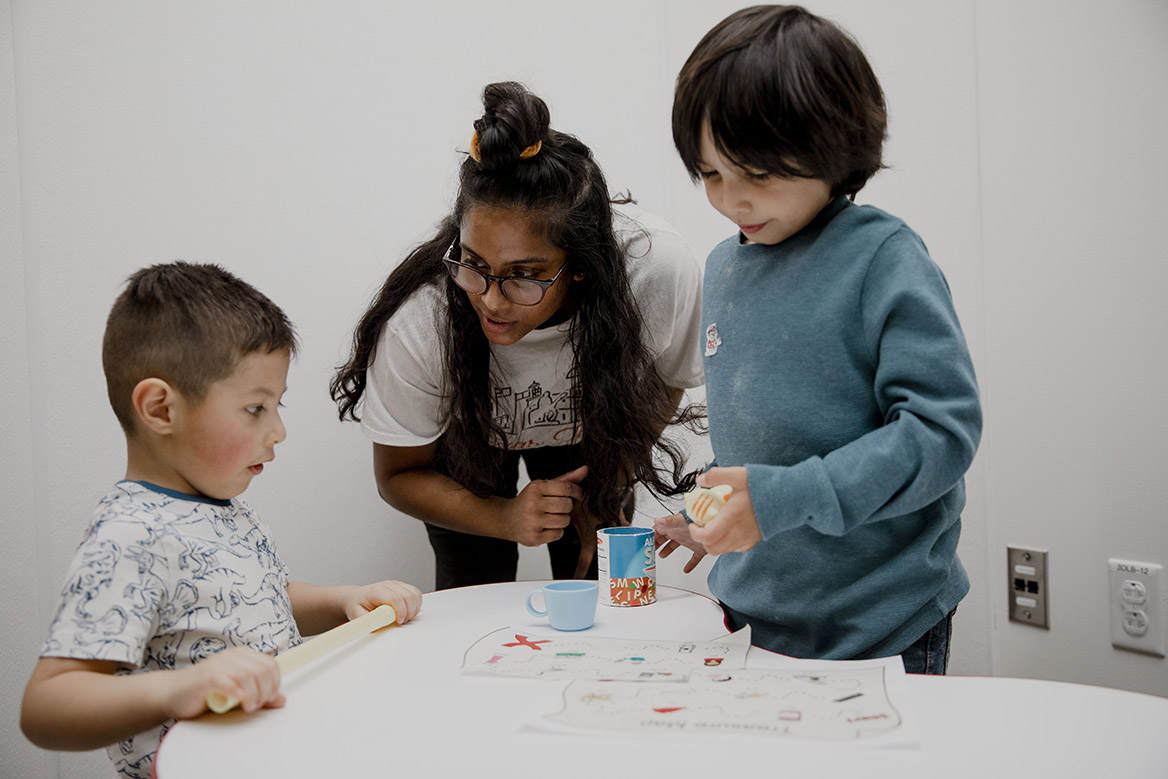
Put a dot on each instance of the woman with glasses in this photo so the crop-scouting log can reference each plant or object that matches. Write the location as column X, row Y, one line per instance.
column 544, row 321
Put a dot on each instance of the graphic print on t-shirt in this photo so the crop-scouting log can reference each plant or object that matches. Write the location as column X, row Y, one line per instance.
column 536, row 416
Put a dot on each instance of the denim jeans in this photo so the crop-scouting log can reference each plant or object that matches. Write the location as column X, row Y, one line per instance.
column 929, row 654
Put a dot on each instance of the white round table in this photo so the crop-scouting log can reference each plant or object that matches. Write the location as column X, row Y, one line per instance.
column 395, row 703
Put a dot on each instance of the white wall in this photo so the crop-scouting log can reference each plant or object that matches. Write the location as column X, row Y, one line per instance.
column 21, row 535
column 1074, row 164
column 305, row 145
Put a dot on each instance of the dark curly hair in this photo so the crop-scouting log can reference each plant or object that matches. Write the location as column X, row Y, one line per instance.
column 564, row 192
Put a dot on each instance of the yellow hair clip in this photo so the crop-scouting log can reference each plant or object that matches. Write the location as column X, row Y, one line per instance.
column 526, row 154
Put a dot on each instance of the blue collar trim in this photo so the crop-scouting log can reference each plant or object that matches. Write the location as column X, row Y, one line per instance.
column 179, row 495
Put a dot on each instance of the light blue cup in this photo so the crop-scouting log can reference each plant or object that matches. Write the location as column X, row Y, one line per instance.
column 568, row 605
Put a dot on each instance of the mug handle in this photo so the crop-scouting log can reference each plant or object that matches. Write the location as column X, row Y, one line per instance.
column 531, row 609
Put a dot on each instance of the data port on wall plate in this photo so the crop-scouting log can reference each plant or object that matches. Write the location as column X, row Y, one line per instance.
column 1026, row 569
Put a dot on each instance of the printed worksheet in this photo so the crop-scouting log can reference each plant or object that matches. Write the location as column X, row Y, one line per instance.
column 838, row 704
column 508, row 652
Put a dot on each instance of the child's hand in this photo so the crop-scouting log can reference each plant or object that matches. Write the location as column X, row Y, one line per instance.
column 250, row 677
column 86, row 704
column 406, row 599
column 735, row 529
column 543, row 508
column 671, row 533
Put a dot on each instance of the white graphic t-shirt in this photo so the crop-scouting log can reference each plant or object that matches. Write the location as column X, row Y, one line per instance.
column 163, row 580
column 532, row 378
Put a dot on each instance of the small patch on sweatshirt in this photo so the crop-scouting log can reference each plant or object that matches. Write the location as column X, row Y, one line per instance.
column 712, row 339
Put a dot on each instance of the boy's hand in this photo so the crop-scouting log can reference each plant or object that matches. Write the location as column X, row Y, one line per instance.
column 670, row 534
column 406, row 599
column 735, row 529
column 250, row 677
column 541, row 511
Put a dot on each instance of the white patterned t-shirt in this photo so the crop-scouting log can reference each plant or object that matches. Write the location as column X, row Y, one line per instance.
column 163, row 580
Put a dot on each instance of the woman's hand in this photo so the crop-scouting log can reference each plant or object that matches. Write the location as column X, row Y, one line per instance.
column 671, row 533
column 541, row 511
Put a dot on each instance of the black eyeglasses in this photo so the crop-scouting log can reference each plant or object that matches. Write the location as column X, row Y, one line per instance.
column 520, row 291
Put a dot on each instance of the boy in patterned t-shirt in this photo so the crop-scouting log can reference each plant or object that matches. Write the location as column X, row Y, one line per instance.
column 177, row 591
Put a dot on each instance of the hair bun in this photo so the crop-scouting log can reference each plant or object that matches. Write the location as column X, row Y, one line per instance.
column 513, row 120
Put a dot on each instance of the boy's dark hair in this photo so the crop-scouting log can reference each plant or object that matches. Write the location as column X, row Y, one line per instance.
column 618, row 397
column 785, row 92
column 188, row 325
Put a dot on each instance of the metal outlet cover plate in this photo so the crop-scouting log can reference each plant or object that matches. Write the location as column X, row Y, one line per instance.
column 1027, row 585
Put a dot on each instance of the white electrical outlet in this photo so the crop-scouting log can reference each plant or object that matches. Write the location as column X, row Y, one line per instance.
column 1137, row 606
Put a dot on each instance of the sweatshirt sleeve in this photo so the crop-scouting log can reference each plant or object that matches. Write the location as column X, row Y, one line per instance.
column 925, row 388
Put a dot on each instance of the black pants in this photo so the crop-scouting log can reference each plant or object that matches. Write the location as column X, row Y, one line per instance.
column 461, row 559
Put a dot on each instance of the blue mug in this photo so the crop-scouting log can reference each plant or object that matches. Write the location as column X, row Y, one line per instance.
column 568, row 605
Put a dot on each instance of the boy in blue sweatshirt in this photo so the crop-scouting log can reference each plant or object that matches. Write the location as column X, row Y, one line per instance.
column 843, row 407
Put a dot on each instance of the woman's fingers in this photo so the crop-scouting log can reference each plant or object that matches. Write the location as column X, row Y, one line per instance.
column 560, row 488
column 551, row 504
column 543, row 508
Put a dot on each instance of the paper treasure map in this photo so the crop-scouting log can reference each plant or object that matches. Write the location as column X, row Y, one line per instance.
column 645, row 686
column 834, row 705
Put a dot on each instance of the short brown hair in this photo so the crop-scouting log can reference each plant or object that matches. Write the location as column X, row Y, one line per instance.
column 188, row 325
column 785, row 92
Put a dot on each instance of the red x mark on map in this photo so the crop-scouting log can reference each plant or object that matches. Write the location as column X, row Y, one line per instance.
column 522, row 641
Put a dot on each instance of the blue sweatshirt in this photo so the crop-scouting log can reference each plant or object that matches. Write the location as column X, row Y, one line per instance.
column 837, row 373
